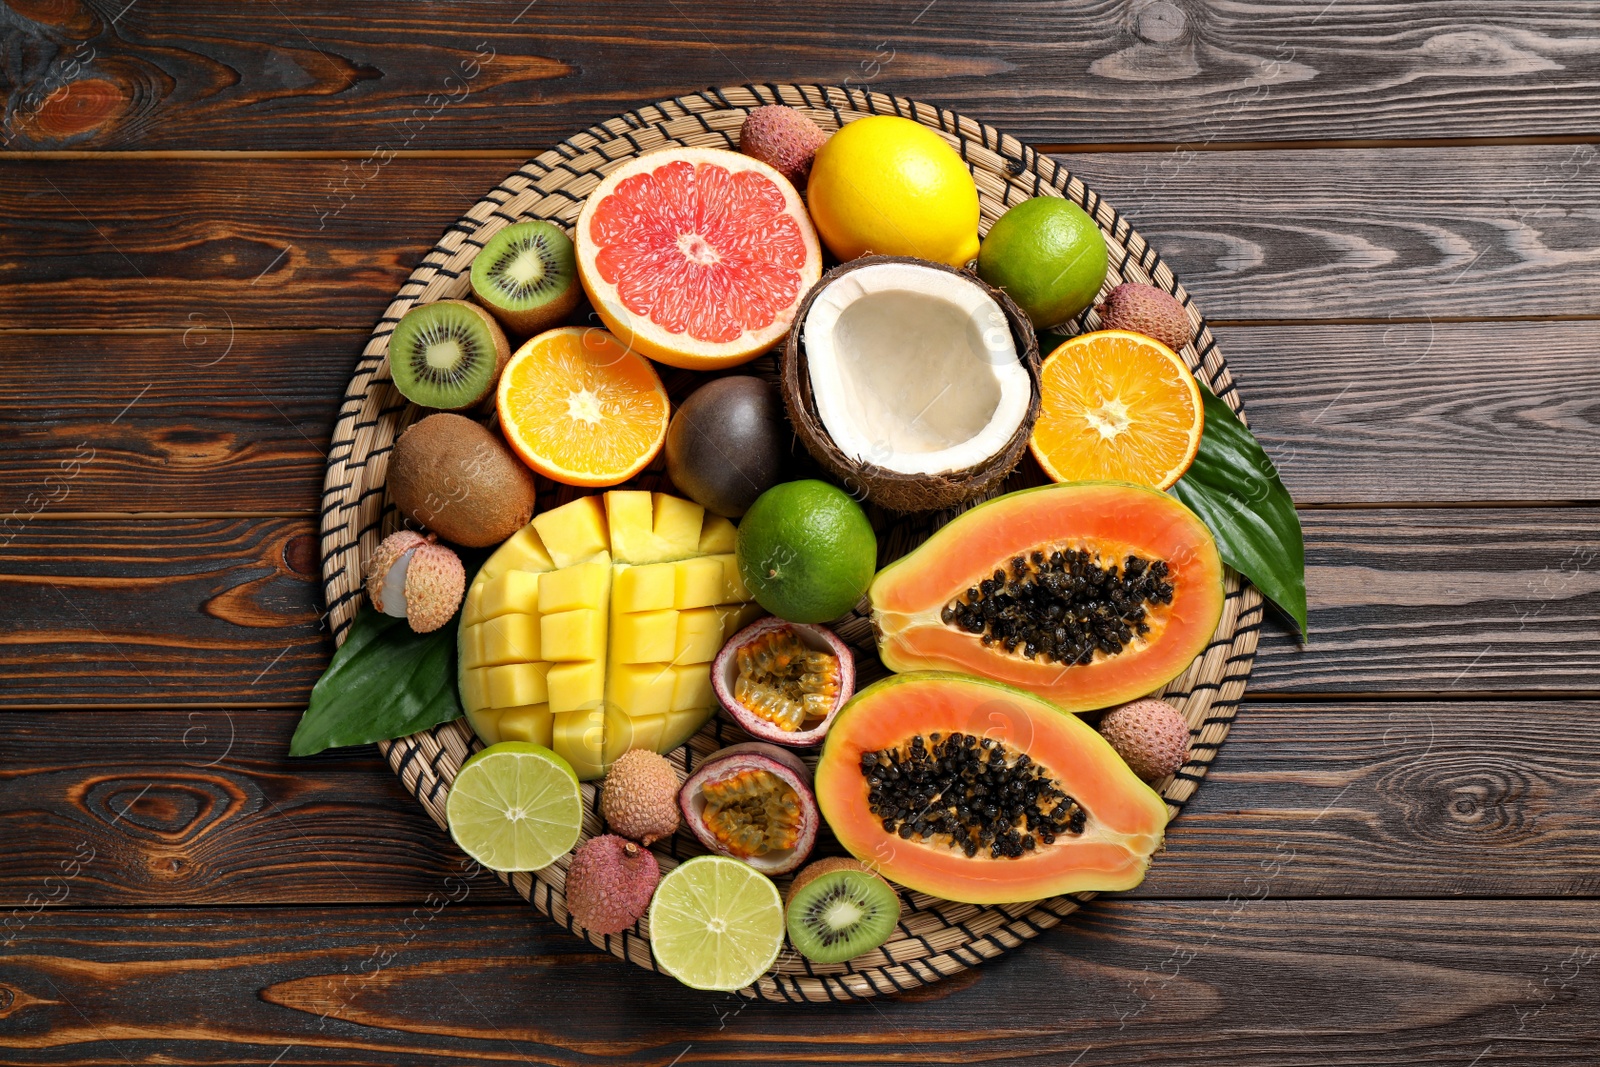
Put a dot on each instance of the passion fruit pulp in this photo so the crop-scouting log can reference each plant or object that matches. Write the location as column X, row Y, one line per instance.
column 784, row 682
column 753, row 802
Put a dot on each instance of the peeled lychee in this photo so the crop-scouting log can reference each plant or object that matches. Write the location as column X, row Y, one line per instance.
column 415, row 578
column 1147, row 310
column 610, row 882
column 640, row 796
column 1150, row 736
column 782, row 138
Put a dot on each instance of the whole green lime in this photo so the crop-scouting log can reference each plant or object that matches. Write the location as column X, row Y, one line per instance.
column 806, row 551
column 1048, row 255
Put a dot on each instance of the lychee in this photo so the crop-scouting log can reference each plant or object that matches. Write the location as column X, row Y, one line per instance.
column 1147, row 310
column 415, row 578
column 610, row 882
column 782, row 138
column 640, row 796
column 1150, row 735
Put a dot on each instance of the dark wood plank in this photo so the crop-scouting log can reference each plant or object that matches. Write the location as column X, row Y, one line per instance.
column 1452, row 601
column 1336, row 800
column 206, row 807
column 278, row 257
column 192, row 610
column 242, row 427
column 209, row 420
column 1251, row 981
column 204, row 74
column 1384, row 234
column 1424, row 412
column 1401, row 799
column 1479, row 233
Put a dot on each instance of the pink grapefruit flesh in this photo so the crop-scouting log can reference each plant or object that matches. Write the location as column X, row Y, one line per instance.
column 697, row 257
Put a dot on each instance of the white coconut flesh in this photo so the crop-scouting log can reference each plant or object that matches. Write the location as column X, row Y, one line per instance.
column 914, row 369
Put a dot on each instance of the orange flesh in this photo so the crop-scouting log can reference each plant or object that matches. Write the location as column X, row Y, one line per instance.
column 1126, row 819
column 1112, row 519
column 1117, row 406
column 577, row 406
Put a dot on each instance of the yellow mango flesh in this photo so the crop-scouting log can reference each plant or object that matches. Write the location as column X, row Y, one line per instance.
column 592, row 629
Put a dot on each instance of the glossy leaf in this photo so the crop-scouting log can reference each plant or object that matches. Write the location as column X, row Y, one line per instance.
column 1235, row 488
column 385, row 681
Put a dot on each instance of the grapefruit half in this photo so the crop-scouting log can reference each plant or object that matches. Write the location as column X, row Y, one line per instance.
column 697, row 257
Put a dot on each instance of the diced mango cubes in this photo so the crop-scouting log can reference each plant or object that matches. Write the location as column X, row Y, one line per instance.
column 592, row 629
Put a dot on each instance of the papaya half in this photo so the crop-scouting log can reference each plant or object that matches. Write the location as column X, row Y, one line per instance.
column 974, row 791
column 1087, row 593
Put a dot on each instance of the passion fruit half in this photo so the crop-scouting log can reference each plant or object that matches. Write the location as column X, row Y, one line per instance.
column 753, row 802
column 784, row 681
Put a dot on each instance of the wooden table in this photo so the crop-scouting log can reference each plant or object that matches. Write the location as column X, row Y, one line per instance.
column 1387, row 209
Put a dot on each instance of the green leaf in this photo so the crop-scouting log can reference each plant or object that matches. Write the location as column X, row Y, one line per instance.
column 1234, row 487
column 386, row 681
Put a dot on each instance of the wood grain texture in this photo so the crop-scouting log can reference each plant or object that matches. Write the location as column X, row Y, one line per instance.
column 206, row 74
column 239, row 421
column 228, row 610
column 210, row 419
column 1449, row 601
column 1424, row 412
column 1305, row 234
column 1332, row 800
column 1247, row 981
column 206, row 807
column 1385, row 234
column 193, row 610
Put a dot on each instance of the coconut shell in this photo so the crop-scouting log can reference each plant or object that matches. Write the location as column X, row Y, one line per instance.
column 887, row 488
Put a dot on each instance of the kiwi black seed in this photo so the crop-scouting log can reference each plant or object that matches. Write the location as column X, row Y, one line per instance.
column 527, row 276
column 837, row 909
column 447, row 355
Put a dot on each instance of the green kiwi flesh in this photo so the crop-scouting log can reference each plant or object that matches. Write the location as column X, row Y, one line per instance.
column 447, row 355
column 840, row 913
column 527, row 276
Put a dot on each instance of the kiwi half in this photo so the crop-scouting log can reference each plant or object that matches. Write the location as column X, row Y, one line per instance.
column 837, row 909
column 447, row 354
column 527, row 276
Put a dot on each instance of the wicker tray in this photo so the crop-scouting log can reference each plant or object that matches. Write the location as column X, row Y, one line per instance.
column 936, row 938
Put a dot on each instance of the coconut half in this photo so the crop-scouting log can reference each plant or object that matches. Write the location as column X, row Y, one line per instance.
column 914, row 382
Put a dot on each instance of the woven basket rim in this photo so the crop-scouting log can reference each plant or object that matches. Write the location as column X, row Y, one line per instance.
column 938, row 938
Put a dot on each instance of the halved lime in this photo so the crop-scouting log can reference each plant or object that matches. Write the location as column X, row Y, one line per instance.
column 716, row 923
column 515, row 806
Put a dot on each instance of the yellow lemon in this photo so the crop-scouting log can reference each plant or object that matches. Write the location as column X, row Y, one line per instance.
column 891, row 186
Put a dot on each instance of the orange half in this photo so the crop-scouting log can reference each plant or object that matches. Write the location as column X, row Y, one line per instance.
column 580, row 407
column 1117, row 406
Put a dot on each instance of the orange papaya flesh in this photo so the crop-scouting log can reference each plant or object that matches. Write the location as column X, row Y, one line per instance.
column 1123, row 818
column 1111, row 521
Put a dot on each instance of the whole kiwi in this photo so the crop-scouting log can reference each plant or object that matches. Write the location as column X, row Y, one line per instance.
column 460, row 481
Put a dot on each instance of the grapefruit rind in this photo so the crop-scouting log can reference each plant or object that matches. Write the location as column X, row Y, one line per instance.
column 646, row 238
column 1113, row 518
column 1126, row 818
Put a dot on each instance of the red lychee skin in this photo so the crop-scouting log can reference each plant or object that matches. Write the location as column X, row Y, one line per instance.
column 782, row 138
column 610, row 882
column 1147, row 310
column 1150, row 735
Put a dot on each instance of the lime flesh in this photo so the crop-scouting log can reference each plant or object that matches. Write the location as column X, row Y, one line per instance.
column 515, row 806
column 716, row 923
